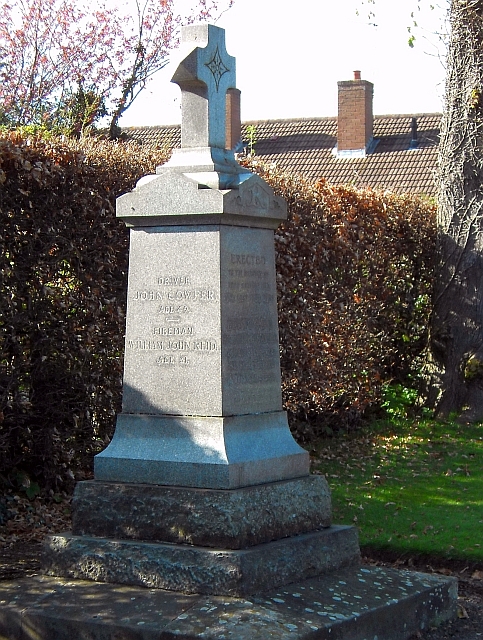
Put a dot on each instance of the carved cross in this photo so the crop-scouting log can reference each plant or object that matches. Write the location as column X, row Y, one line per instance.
column 204, row 75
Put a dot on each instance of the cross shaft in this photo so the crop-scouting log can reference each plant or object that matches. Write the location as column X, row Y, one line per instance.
column 204, row 75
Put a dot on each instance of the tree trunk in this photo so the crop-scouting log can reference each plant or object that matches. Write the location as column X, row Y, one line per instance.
column 456, row 342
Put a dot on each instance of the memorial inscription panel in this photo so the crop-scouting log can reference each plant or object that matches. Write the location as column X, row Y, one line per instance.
column 172, row 349
column 201, row 309
column 251, row 360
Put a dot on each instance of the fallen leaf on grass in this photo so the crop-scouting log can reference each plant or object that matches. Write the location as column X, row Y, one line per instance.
column 462, row 613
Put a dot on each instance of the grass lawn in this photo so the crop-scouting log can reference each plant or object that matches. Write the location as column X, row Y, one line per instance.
column 410, row 487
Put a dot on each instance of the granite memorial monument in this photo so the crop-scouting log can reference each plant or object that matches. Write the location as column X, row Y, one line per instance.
column 202, row 489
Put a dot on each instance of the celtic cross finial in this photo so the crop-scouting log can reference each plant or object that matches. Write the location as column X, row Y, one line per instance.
column 204, row 76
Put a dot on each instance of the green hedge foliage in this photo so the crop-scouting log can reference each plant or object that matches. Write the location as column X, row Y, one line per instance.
column 62, row 300
column 354, row 280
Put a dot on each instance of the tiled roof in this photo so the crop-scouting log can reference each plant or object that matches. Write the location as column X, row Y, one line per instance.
column 306, row 146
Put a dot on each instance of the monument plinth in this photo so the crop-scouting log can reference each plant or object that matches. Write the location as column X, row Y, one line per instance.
column 202, row 478
column 203, row 490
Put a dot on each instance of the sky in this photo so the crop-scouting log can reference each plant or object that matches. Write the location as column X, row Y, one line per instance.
column 290, row 55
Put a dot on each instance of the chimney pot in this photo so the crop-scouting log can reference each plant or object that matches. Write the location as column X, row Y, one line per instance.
column 355, row 118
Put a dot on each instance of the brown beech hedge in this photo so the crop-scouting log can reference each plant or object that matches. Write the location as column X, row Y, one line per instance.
column 354, row 280
column 355, row 270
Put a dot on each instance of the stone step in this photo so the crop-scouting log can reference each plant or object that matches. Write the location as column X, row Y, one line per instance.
column 360, row 603
column 228, row 519
column 194, row 569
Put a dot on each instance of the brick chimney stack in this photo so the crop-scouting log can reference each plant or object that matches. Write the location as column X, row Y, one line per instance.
column 355, row 119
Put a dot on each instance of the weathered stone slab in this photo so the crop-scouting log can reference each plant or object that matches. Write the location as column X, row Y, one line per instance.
column 229, row 519
column 355, row 604
column 45, row 608
column 193, row 569
column 15, row 598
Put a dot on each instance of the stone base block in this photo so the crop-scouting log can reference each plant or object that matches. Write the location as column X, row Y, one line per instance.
column 227, row 519
column 193, row 569
column 351, row 604
column 199, row 451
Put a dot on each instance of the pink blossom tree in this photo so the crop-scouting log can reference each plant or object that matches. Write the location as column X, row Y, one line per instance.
column 62, row 59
